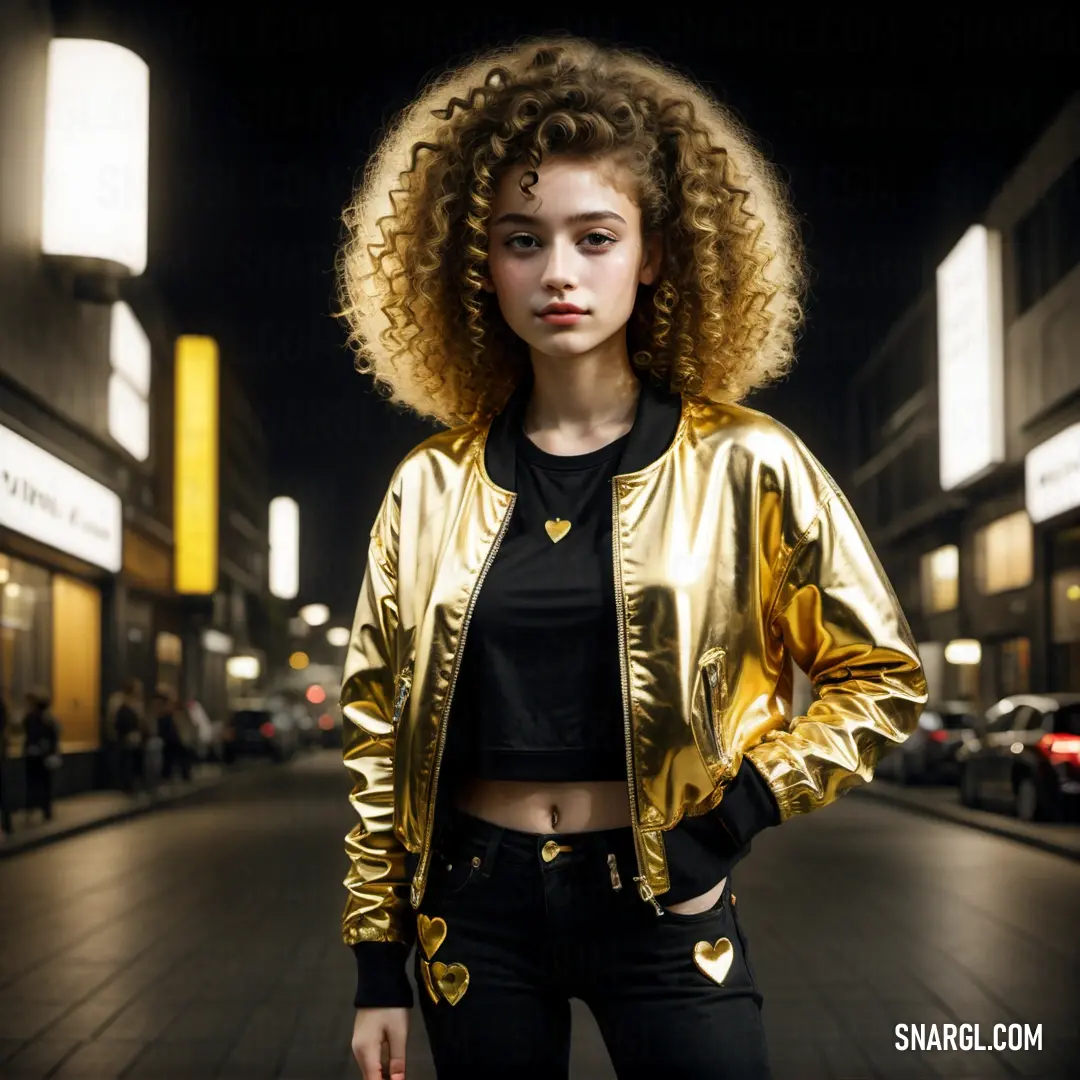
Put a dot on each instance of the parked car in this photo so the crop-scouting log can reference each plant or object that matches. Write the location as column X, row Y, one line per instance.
column 330, row 730
column 929, row 752
column 1025, row 757
column 261, row 731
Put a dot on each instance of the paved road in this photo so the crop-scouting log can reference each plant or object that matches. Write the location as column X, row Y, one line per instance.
column 201, row 941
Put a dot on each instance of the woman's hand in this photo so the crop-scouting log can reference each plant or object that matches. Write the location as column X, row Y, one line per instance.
column 373, row 1029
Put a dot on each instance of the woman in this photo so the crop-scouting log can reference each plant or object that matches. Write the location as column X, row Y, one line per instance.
column 567, row 694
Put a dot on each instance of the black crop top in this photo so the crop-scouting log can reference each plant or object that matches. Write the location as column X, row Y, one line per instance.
column 539, row 693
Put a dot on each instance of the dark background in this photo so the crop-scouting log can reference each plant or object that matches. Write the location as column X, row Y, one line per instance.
column 893, row 130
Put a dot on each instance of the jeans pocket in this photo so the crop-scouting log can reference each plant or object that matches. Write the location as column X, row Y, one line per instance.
column 713, row 912
column 453, row 873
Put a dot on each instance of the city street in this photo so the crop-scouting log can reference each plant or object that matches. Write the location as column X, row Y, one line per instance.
column 202, row 941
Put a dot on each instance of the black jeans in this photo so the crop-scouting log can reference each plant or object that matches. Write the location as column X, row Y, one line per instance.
column 521, row 934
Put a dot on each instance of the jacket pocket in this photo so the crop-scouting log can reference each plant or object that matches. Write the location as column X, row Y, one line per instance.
column 402, row 689
column 713, row 743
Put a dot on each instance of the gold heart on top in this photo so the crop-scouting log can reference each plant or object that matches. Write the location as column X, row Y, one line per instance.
column 715, row 960
column 451, row 979
column 556, row 529
column 432, row 933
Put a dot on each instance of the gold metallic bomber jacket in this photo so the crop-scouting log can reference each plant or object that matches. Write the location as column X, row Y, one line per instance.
column 735, row 555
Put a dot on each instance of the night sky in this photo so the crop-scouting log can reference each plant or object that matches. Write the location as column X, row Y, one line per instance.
column 893, row 131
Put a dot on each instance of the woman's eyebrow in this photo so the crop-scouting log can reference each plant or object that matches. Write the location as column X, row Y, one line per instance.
column 574, row 219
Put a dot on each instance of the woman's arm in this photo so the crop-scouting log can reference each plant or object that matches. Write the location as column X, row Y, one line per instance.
column 840, row 621
column 377, row 921
column 836, row 615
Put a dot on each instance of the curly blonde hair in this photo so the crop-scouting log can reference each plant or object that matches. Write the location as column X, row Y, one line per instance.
column 719, row 323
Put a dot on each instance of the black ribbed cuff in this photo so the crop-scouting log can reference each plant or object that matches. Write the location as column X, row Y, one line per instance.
column 381, row 979
column 748, row 806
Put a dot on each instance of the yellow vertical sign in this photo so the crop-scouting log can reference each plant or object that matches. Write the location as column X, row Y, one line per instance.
column 195, row 505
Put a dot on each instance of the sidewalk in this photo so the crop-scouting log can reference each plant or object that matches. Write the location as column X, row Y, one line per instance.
column 944, row 802
column 76, row 814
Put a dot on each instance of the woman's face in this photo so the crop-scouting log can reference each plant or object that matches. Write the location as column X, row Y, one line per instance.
column 577, row 242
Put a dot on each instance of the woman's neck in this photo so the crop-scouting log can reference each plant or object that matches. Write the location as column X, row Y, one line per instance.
column 575, row 399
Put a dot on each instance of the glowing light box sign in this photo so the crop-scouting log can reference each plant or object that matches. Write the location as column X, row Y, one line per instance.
column 129, row 384
column 1052, row 475
column 970, row 336
column 46, row 499
column 196, row 488
column 284, row 547
column 97, row 153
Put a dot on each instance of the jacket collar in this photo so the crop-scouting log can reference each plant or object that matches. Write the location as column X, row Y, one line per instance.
column 656, row 421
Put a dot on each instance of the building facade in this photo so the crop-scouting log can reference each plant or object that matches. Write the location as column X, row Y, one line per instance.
column 87, row 462
column 965, row 441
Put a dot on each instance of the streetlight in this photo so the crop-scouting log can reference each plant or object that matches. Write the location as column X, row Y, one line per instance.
column 315, row 614
column 966, row 651
column 243, row 667
column 337, row 636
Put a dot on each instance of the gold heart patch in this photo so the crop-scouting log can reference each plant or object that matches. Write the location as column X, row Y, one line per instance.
column 432, row 933
column 451, row 979
column 425, row 971
column 557, row 529
column 714, row 960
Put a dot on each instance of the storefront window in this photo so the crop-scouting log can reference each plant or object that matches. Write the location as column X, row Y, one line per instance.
column 169, row 652
column 25, row 633
column 939, row 575
column 1015, row 666
column 1004, row 554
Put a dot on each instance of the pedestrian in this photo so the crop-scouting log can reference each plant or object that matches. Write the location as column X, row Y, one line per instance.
column 125, row 731
column 187, row 736
column 41, row 752
column 169, row 731
column 567, row 696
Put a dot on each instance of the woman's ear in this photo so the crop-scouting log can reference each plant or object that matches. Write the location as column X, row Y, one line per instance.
column 652, row 259
column 486, row 285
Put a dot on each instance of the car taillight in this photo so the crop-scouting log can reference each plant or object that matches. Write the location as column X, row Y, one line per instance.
column 940, row 735
column 1061, row 748
column 267, row 730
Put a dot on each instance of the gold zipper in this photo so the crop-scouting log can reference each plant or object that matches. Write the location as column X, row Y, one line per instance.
column 644, row 888
column 420, row 876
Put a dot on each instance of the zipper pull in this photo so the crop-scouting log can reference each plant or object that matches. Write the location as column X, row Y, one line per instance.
column 403, row 681
column 645, row 889
column 616, row 884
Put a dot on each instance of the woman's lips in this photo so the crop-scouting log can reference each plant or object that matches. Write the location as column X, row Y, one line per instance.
column 563, row 318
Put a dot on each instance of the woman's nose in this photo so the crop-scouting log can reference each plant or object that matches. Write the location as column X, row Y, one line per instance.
column 558, row 270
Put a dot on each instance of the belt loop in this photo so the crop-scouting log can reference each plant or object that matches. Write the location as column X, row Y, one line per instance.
column 492, row 846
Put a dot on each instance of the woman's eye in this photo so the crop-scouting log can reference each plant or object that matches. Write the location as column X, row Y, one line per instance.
column 524, row 242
